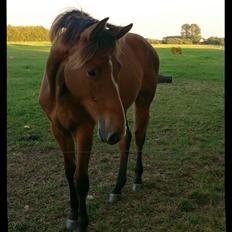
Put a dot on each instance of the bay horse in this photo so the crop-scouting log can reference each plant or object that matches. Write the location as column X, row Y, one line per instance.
column 94, row 72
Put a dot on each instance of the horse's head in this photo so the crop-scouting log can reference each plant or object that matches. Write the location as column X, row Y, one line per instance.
column 91, row 76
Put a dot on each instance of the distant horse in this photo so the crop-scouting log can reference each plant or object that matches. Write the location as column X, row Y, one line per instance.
column 95, row 71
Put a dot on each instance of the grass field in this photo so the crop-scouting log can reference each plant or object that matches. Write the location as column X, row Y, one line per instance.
column 183, row 154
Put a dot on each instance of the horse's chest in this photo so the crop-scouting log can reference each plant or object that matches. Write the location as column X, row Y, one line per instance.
column 69, row 116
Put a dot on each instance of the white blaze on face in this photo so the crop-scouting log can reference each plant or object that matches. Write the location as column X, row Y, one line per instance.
column 116, row 86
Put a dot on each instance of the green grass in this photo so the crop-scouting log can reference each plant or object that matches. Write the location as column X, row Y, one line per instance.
column 183, row 154
column 198, row 46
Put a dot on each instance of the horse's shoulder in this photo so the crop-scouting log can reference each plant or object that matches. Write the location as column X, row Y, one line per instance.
column 52, row 71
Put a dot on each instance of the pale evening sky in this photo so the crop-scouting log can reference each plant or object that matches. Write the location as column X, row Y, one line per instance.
column 151, row 18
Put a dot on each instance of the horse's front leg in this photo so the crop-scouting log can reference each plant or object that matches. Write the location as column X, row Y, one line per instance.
column 65, row 140
column 83, row 137
column 124, row 146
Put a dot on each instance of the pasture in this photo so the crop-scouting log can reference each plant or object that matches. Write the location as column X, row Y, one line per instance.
column 183, row 153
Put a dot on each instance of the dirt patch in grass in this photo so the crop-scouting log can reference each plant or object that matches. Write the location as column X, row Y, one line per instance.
column 10, row 57
column 38, row 198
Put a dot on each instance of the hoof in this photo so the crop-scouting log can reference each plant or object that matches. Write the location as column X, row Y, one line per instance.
column 70, row 224
column 137, row 187
column 114, row 197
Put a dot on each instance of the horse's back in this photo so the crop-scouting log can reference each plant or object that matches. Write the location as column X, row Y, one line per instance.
column 139, row 68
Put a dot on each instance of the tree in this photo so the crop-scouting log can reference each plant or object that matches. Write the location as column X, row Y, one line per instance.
column 192, row 32
column 195, row 32
column 185, row 31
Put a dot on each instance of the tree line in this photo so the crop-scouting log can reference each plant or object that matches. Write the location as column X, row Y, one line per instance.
column 189, row 34
column 27, row 33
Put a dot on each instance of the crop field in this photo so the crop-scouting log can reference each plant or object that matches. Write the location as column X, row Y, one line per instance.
column 183, row 180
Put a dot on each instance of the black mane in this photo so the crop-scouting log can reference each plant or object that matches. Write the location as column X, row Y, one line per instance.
column 70, row 24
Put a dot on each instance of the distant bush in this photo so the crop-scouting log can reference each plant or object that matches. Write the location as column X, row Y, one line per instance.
column 214, row 41
column 176, row 50
column 172, row 40
column 187, row 41
column 176, row 40
column 154, row 41
column 27, row 33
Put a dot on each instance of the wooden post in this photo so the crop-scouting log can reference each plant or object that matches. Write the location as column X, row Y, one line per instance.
column 164, row 79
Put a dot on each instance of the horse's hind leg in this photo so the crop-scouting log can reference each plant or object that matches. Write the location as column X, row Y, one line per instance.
column 65, row 140
column 141, row 122
column 124, row 146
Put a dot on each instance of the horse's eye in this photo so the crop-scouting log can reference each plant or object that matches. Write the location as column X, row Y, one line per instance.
column 92, row 73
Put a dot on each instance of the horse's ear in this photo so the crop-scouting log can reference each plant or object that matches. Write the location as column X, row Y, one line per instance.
column 93, row 31
column 119, row 32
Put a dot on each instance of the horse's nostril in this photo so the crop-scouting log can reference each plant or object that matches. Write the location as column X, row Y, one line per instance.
column 114, row 138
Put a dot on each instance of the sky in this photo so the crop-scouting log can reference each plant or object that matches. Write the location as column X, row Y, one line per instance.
column 151, row 18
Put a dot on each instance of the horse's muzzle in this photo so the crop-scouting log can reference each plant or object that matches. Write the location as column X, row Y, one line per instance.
column 114, row 138
column 105, row 135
